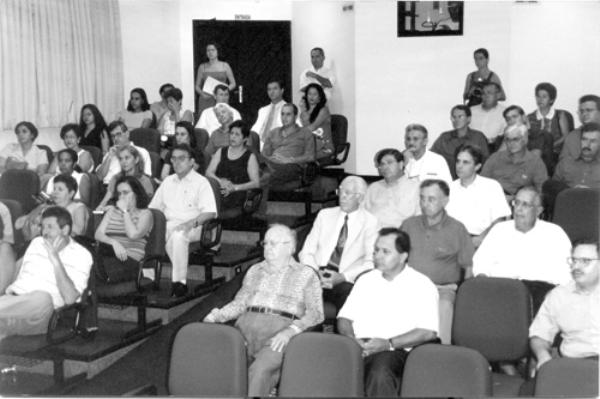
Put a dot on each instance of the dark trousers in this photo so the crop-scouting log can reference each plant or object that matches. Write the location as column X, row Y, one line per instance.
column 338, row 294
column 383, row 373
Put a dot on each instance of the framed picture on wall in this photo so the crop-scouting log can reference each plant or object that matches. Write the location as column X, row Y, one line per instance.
column 430, row 18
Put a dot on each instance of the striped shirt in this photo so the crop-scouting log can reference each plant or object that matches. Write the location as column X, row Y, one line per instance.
column 136, row 248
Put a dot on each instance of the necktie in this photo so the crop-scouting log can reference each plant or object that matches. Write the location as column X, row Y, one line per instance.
column 336, row 256
column 269, row 122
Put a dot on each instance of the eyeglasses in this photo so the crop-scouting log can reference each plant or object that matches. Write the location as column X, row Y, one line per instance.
column 264, row 243
column 513, row 139
column 572, row 261
column 516, row 203
column 180, row 158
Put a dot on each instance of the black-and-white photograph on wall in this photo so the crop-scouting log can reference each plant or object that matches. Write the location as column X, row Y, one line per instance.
column 430, row 18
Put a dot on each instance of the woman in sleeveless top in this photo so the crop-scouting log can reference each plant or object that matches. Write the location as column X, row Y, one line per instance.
column 93, row 128
column 137, row 114
column 315, row 116
column 476, row 80
column 235, row 167
column 548, row 119
column 216, row 69
column 123, row 232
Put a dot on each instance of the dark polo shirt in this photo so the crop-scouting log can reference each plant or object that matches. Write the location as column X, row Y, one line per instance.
column 448, row 142
column 577, row 172
column 514, row 173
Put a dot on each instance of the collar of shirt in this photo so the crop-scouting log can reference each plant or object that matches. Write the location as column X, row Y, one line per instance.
column 527, row 156
column 573, row 287
column 539, row 116
column 454, row 134
column 264, row 266
column 438, row 226
column 187, row 178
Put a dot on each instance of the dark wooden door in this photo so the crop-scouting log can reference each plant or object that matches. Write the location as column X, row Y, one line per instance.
column 257, row 51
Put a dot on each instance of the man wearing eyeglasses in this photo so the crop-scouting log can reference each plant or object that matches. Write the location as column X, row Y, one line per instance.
column 525, row 248
column 340, row 243
column 110, row 165
column 187, row 200
column 571, row 310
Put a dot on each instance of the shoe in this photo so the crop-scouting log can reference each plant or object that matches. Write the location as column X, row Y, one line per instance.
column 179, row 290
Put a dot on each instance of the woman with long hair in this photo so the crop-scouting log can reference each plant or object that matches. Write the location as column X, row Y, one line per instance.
column 315, row 116
column 184, row 134
column 138, row 112
column 93, row 128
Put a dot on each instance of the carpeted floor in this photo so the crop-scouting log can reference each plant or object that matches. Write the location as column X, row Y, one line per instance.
column 148, row 363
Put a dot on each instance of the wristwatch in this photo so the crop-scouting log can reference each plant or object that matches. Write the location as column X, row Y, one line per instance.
column 391, row 348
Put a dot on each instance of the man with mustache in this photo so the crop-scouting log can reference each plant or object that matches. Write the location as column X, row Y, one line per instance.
column 583, row 171
column 422, row 164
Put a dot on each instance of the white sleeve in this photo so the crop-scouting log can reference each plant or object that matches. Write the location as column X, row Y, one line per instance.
column 484, row 256
column 309, row 251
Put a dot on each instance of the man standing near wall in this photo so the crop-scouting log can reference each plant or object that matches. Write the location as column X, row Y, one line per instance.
column 318, row 73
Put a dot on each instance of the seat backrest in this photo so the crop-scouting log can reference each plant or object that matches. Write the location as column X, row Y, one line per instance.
column 216, row 188
column 570, row 120
column 339, row 129
column 208, row 360
column 201, row 138
column 492, row 316
column 564, row 377
column 96, row 190
column 325, row 365
column 147, row 138
column 576, row 211
column 95, row 152
column 155, row 246
column 49, row 152
column 20, row 185
column 157, row 164
column 443, row 370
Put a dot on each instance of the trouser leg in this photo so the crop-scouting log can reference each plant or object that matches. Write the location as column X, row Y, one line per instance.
column 447, row 295
column 338, row 294
column 26, row 314
column 178, row 243
column 383, row 373
column 264, row 372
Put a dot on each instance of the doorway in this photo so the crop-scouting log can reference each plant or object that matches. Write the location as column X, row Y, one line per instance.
column 257, row 51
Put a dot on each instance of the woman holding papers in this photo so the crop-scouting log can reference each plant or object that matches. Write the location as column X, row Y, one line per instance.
column 209, row 75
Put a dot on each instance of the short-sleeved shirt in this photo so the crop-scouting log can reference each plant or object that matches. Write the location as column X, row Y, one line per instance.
column 34, row 158
column 429, row 166
column 134, row 120
column 577, row 172
column 379, row 308
column 448, row 142
column 490, row 122
column 324, row 72
column 37, row 272
column 393, row 203
column 514, row 173
column 478, row 205
column 574, row 314
column 296, row 144
column 441, row 250
column 572, row 145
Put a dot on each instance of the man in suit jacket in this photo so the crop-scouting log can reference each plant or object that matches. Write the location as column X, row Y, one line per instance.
column 341, row 256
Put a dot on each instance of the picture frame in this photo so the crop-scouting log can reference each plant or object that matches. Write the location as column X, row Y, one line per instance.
column 430, row 18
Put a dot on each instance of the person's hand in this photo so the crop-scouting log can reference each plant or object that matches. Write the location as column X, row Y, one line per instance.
column 186, row 226
column 542, row 358
column 281, row 339
column 408, row 155
column 278, row 158
column 54, row 245
column 122, row 204
column 226, row 187
column 211, row 318
column 375, row 345
column 120, row 251
column 311, row 74
column 325, row 277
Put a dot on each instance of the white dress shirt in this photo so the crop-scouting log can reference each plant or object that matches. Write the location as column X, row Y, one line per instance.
column 429, row 166
column 539, row 255
column 324, row 72
column 478, row 205
column 209, row 122
column 490, row 122
column 263, row 116
column 393, row 203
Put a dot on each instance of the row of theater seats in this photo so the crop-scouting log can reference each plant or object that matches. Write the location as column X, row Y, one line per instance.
column 491, row 321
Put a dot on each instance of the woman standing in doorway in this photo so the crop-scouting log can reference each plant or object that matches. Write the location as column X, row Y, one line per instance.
column 216, row 69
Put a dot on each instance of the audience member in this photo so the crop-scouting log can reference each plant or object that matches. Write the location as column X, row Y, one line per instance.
column 584, row 171
column 110, row 165
column 138, row 112
column 187, row 200
column 318, row 73
column 269, row 116
column 340, row 243
column 70, row 134
column 440, row 248
column 315, row 116
column 65, row 187
column 93, row 128
column 517, row 166
column 123, row 231
column 54, row 272
column 390, row 310
column 286, row 148
column 220, row 137
column 422, row 164
column 209, row 120
column 131, row 164
column 448, row 142
column 589, row 111
column 235, row 167
column 159, row 108
column 184, row 134
column 477, row 80
column 214, row 69
column 166, row 125
column 7, row 254
column 487, row 116
column 279, row 298
column 476, row 201
column 525, row 248
column 24, row 154
column 395, row 197
column 67, row 160
column 548, row 119
column 571, row 310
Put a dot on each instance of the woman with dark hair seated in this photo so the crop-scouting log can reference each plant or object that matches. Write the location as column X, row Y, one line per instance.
column 123, row 231
column 93, row 128
column 138, row 112
column 235, row 167
column 71, row 137
column 67, row 161
column 184, row 134
column 24, row 154
column 548, row 119
column 315, row 116
column 132, row 164
column 7, row 254
column 65, row 187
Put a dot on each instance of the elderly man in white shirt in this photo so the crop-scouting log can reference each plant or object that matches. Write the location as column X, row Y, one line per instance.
column 422, row 164
column 208, row 119
column 318, row 73
column 187, row 200
column 340, row 243
column 525, row 248
column 269, row 116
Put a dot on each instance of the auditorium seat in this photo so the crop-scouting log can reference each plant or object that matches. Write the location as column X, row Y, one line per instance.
column 322, row 365
column 146, row 138
column 568, row 378
column 492, row 316
column 20, row 185
column 576, row 211
column 435, row 370
column 95, row 152
column 208, row 360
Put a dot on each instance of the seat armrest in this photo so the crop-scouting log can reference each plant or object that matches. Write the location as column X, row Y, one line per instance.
column 59, row 313
column 341, row 153
column 309, row 172
column 211, row 233
column 252, row 202
column 144, row 390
